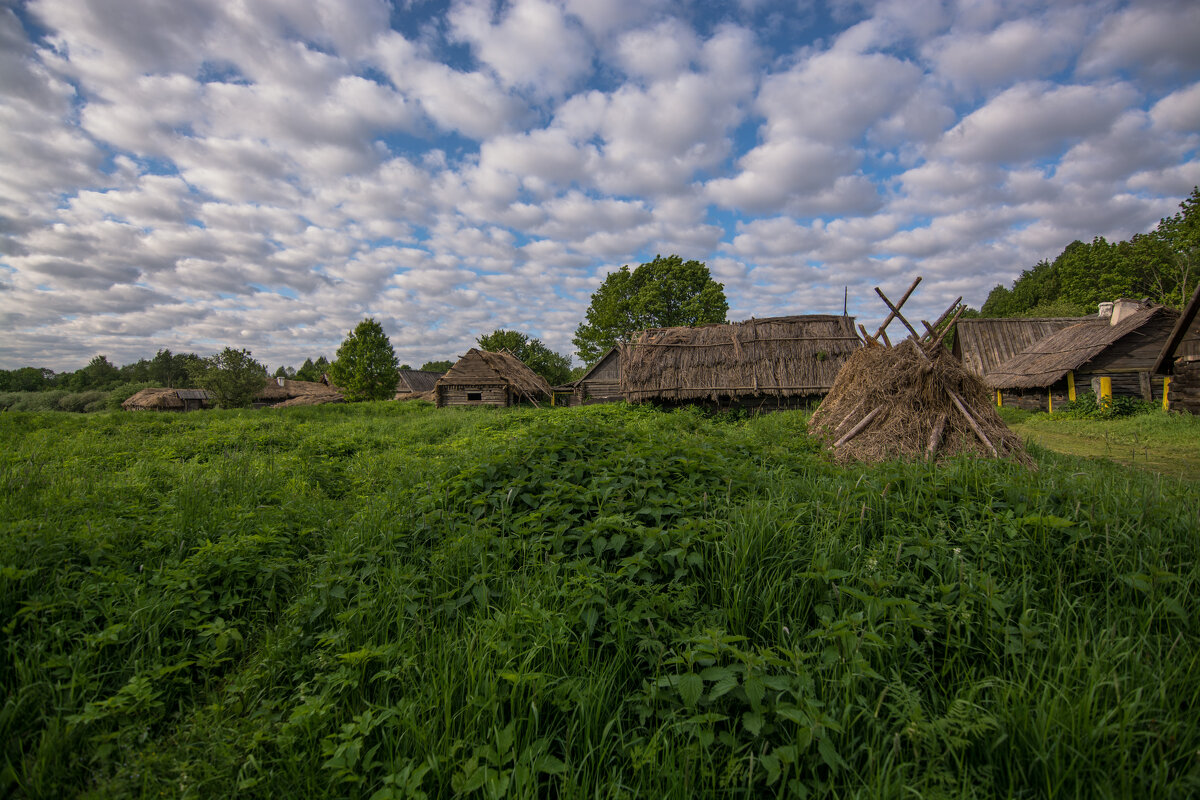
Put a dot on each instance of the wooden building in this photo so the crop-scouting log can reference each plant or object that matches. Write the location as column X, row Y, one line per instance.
column 415, row 383
column 285, row 392
column 600, row 384
column 1122, row 347
column 1179, row 360
column 984, row 344
column 759, row 364
column 482, row 378
column 168, row 400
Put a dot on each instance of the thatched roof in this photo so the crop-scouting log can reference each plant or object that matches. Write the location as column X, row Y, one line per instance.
column 775, row 356
column 892, row 402
column 311, row 400
column 277, row 390
column 984, row 344
column 1048, row 360
column 415, row 381
column 153, row 399
column 1184, row 330
column 481, row 367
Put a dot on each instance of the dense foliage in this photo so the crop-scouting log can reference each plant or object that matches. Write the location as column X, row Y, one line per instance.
column 231, row 376
column 366, row 367
column 662, row 293
column 388, row 600
column 437, row 366
column 1163, row 265
column 554, row 367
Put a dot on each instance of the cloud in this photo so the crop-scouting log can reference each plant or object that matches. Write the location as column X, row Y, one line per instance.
column 1156, row 39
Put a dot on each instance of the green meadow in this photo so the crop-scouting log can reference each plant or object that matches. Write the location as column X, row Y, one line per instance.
column 391, row 601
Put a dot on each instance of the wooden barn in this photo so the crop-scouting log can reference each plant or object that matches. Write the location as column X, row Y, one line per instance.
column 1179, row 360
column 984, row 344
column 601, row 383
column 168, row 400
column 482, row 378
column 760, row 364
column 1121, row 347
column 415, row 383
column 284, row 392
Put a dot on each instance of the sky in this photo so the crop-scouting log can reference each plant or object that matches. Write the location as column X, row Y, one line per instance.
column 264, row 174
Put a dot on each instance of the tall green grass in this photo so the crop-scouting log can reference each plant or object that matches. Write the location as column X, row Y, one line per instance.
column 391, row 601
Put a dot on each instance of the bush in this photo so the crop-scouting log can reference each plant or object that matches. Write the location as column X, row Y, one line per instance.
column 1088, row 406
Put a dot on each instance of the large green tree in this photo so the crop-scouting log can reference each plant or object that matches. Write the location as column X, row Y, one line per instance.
column 662, row 293
column 232, row 377
column 365, row 366
column 436, row 366
column 554, row 367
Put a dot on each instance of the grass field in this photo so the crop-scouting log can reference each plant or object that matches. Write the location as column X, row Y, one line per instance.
column 387, row 600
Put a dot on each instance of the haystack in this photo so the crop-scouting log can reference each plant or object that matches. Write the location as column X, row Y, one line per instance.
column 910, row 401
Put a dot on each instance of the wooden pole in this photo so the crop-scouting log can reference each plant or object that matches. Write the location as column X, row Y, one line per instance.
column 897, row 314
column 950, row 326
column 935, row 438
column 846, row 418
column 937, row 323
column 974, row 425
column 903, row 299
column 869, row 339
column 857, row 429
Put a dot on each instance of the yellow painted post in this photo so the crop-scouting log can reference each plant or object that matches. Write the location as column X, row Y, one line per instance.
column 1071, row 385
column 1050, row 400
column 999, row 399
column 1167, row 393
column 1106, row 392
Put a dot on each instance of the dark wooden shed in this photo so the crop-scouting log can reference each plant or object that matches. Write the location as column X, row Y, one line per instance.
column 482, row 378
column 1179, row 360
column 415, row 383
column 601, row 383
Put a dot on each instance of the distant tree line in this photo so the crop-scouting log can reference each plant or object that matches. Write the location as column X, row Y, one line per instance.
column 1161, row 265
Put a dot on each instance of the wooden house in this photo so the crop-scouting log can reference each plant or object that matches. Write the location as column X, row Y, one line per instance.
column 1179, row 360
column 482, row 378
column 760, row 364
column 415, row 383
column 984, row 344
column 601, row 383
column 1121, row 347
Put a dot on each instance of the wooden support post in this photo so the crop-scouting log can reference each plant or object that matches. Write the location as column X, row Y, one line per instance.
column 886, row 340
column 1167, row 393
column 938, row 323
column 869, row 339
column 896, row 313
column 1071, row 385
column 857, row 429
column 846, row 418
column 889, row 318
column 935, row 438
column 952, row 323
column 974, row 425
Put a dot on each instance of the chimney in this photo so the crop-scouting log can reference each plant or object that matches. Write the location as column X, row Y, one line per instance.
column 280, row 381
column 1122, row 309
column 1106, row 310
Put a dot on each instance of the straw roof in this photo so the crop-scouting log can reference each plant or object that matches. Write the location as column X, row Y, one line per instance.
column 274, row 393
column 892, row 402
column 1048, row 360
column 311, row 400
column 153, row 399
column 415, row 381
column 775, row 356
column 481, row 367
column 1183, row 330
column 984, row 344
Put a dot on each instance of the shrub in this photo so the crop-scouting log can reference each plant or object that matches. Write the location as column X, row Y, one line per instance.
column 1088, row 406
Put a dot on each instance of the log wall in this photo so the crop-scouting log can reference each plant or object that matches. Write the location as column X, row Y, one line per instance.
column 458, row 395
column 1184, row 394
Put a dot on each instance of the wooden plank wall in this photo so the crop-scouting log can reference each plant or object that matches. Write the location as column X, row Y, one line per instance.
column 1185, row 387
column 456, row 395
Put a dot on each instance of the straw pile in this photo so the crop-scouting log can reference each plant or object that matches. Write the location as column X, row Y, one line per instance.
column 906, row 394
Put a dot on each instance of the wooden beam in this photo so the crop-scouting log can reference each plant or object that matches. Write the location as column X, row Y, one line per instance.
column 954, row 306
column 935, row 438
column 869, row 339
column 903, row 299
column 859, row 428
column 974, row 425
column 896, row 313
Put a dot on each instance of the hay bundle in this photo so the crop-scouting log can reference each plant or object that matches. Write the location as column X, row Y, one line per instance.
column 909, row 396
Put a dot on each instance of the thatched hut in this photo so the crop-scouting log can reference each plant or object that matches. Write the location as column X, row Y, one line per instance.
column 154, row 400
column 277, row 391
column 482, row 378
column 1179, row 360
column 1121, row 347
column 984, row 344
column 416, row 384
column 762, row 364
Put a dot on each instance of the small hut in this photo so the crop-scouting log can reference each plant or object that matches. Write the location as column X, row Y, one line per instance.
column 1122, row 346
column 278, row 391
column 416, row 384
column 760, row 364
column 910, row 401
column 600, row 384
column 1179, row 360
column 483, row 378
column 984, row 344
column 155, row 400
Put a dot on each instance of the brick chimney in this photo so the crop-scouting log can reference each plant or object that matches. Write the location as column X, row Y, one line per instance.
column 1106, row 310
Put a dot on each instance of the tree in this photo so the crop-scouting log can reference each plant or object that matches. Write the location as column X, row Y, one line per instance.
column 436, row 366
column 232, row 377
column 365, row 365
column 554, row 367
column 1180, row 236
column 662, row 293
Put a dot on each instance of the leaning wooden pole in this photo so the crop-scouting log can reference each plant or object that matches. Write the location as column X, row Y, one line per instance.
column 935, row 438
column 896, row 313
column 859, row 428
column 903, row 300
column 974, row 425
